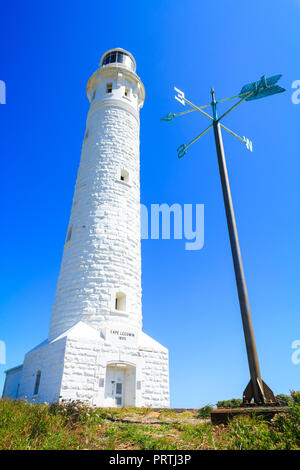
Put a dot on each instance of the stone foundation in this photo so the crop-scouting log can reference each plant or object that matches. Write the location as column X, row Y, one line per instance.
column 74, row 366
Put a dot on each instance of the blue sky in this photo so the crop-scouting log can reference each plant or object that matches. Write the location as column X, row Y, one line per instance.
column 190, row 304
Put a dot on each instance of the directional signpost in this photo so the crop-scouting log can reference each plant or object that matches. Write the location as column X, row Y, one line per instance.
column 256, row 389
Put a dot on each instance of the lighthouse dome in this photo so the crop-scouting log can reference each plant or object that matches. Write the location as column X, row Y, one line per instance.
column 118, row 56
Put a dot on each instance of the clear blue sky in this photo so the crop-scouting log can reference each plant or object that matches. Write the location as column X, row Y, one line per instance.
column 48, row 51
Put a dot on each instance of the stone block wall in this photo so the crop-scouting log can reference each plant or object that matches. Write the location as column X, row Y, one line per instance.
column 49, row 359
column 103, row 255
column 155, row 373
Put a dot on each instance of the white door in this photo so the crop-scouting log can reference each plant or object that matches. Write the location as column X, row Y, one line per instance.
column 118, row 389
column 115, row 387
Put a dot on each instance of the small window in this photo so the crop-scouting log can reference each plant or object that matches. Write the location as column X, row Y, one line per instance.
column 120, row 301
column 86, row 134
column 124, row 176
column 118, row 401
column 93, row 95
column 119, row 388
column 101, row 382
column 69, row 235
column 127, row 91
column 37, row 382
column 108, row 87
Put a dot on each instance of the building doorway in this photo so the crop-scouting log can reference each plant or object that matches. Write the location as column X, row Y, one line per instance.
column 120, row 385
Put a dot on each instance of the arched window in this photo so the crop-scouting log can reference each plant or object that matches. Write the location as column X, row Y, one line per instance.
column 124, row 176
column 37, row 382
column 120, row 301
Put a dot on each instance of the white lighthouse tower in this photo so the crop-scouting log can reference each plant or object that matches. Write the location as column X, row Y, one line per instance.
column 96, row 350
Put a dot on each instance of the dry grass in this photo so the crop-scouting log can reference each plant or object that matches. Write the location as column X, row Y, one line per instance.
column 75, row 426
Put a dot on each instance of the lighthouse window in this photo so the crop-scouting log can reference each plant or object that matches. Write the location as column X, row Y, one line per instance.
column 108, row 87
column 37, row 382
column 120, row 301
column 124, row 176
column 69, row 235
column 120, row 57
column 127, row 91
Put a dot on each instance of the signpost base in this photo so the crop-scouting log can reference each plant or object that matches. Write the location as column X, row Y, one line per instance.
column 224, row 415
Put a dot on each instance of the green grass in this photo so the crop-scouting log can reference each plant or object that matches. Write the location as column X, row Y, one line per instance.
column 76, row 426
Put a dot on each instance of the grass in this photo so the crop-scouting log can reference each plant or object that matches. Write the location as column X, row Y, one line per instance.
column 73, row 425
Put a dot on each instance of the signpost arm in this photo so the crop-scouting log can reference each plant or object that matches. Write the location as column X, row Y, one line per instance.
column 236, row 104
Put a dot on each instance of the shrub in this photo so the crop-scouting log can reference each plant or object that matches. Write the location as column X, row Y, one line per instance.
column 73, row 411
column 205, row 411
column 284, row 400
column 233, row 403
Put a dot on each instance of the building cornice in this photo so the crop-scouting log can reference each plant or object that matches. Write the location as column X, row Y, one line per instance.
column 111, row 71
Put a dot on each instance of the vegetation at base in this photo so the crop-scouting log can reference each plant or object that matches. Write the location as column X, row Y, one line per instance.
column 205, row 411
column 232, row 403
column 285, row 400
column 73, row 425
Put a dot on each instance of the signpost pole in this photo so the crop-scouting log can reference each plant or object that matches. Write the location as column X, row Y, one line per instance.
column 255, row 388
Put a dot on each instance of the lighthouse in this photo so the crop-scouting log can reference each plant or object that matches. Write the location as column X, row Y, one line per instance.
column 96, row 350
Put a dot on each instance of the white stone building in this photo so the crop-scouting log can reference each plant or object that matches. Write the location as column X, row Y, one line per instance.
column 96, row 350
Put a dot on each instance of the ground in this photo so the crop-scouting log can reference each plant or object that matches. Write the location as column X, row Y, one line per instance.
column 75, row 426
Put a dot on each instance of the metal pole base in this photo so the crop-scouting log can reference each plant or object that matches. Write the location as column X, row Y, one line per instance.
column 266, row 396
column 225, row 415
